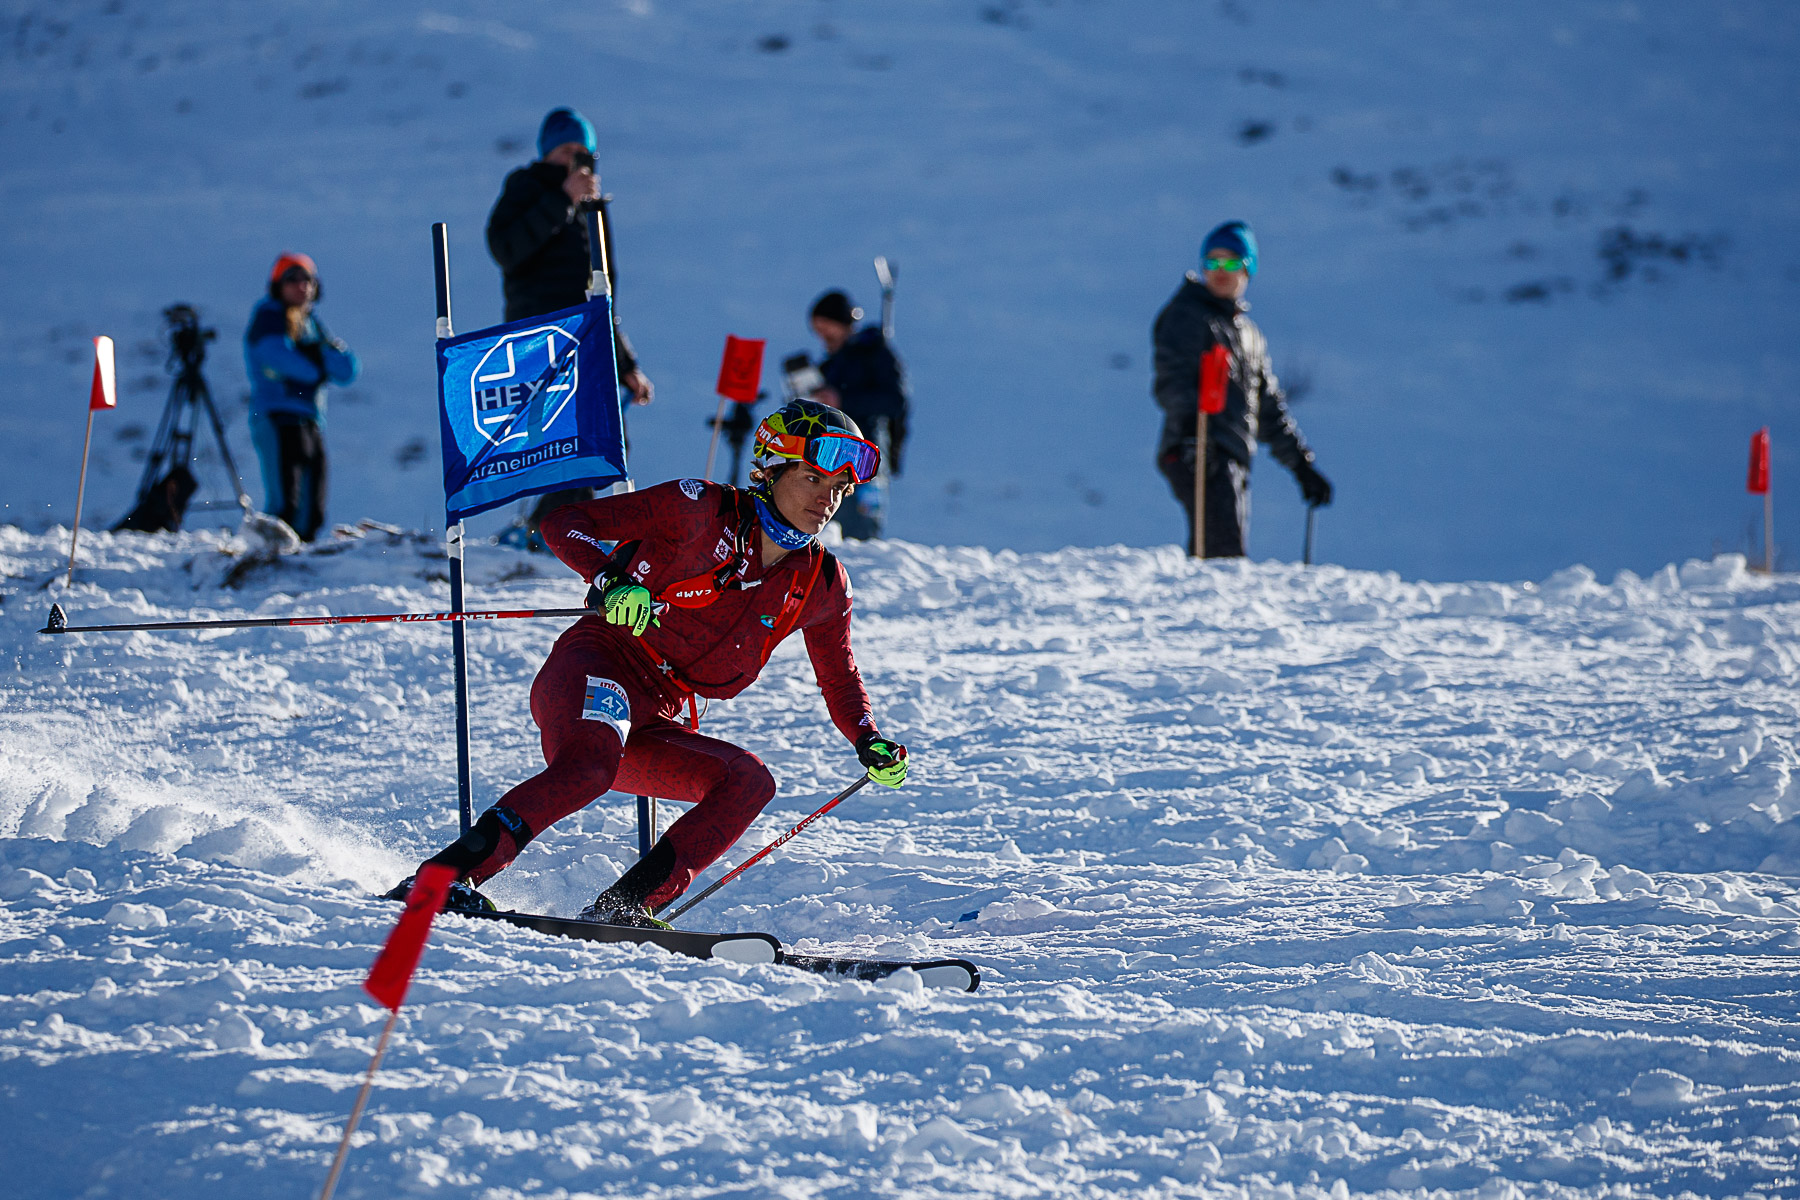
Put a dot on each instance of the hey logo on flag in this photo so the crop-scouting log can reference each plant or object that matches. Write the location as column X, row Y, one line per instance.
column 530, row 407
column 523, row 384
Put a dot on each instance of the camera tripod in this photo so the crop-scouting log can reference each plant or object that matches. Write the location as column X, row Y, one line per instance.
column 167, row 483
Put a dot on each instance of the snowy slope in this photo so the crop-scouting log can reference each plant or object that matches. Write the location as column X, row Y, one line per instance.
column 1283, row 882
column 1537, row 260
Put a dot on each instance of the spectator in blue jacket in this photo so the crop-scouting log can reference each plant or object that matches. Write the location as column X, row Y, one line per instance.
column 291, row 359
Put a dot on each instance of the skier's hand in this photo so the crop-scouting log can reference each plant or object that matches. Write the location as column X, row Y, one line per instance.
column 581, row 186
column 1313, row 486
column 642, row 390
column 622, row 602
column 886, row 760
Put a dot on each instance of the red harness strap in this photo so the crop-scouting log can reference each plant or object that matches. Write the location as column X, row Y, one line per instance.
column 791, row 607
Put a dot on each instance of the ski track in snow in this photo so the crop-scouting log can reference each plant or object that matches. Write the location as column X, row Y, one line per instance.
column 1282, row 881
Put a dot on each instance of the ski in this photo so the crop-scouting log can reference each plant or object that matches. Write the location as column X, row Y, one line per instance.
column 957, row 973
column 727, row 947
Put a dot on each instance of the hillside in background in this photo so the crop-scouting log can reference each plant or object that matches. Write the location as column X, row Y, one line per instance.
column 1535, row 264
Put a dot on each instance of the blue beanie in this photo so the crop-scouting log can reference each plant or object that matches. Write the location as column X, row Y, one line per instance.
column 563, row 125
column 1236, row 237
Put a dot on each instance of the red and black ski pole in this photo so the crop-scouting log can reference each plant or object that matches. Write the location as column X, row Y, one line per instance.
column 754, row 858
column 59, row 621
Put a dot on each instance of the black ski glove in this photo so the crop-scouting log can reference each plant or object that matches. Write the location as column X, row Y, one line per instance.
column 1313, row 486
column 885, row 759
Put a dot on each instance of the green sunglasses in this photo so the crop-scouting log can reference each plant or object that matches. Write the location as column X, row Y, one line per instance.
column 1216, row 262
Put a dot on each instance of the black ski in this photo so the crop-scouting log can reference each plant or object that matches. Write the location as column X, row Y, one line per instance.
column 728, row 947
column 958, row 973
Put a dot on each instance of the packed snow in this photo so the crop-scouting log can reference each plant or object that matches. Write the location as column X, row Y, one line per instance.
column 1282, row 881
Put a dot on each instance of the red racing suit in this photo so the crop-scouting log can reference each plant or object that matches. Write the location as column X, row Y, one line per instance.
column 607, row 704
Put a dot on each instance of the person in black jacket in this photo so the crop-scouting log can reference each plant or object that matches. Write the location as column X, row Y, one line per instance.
column 537, row 232
column 1209, row 310
column 864, row 379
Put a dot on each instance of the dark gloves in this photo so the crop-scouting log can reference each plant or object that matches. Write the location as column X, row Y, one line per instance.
column 886, row 760
column 1313, row 486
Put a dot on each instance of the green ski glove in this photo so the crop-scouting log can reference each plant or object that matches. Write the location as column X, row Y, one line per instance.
column 886, row 760
column 622, row 602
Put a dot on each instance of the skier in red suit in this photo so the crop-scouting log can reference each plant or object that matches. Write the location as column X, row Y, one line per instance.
column 704, row 582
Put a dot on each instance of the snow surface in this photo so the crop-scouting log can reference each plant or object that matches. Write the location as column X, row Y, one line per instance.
column 1283, row 882
column 1537, row 259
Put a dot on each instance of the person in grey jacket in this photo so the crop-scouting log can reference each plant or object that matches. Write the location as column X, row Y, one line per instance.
column 1209, row 310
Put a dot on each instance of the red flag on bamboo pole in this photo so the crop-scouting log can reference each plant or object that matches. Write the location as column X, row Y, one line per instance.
column 1215, row 376
column 394, row 966
column 1759, row 462
column 104, row 393
column 740, row 374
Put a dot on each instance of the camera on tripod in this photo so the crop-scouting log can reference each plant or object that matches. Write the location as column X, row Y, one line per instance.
column 802, row 378
column 187, row 340
column 168, row 482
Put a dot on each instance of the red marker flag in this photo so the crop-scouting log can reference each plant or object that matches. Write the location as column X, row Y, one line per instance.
column 105, row 392
column 1215, row 376
column 1759, row 462
column 740, row 375
column 394, row 966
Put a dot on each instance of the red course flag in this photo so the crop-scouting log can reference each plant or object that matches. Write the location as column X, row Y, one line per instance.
column 394, row 966
column 1759, row 462
column 1215, row 375
column 740, row 375
column 105, row 392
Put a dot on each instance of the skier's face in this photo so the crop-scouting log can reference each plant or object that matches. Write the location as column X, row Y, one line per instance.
column 808, row 498
column 1227, row 285
column 298, row 289
column 833, row 333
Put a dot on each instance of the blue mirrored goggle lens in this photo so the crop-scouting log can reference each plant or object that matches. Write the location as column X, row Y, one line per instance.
column 832, row 452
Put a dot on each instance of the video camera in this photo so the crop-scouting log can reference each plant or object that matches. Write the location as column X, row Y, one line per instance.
column 803, row 378
column 187, row 340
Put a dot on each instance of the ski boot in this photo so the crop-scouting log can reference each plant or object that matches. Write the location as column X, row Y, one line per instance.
column 606, row 909
column 462, row 897
column 624, row 903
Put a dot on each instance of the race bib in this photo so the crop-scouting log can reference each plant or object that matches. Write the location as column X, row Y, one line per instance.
column 605, row 701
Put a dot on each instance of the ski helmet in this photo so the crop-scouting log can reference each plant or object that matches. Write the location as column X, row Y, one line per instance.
column 781, row 438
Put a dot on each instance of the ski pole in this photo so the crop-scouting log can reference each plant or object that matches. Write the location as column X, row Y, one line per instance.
column 885, row 273
column 748, row 862
column 59, row 621
column 1312, row 510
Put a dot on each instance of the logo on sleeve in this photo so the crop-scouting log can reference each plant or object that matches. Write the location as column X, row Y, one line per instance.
column 691, row 488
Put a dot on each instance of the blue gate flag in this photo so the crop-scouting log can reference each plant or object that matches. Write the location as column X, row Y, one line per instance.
column 530, row 407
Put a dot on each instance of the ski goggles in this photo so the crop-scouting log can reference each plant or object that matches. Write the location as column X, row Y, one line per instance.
column 1220, row 262
column 830, row 453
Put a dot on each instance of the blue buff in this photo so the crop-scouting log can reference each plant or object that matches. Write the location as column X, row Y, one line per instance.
column 779, row 531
